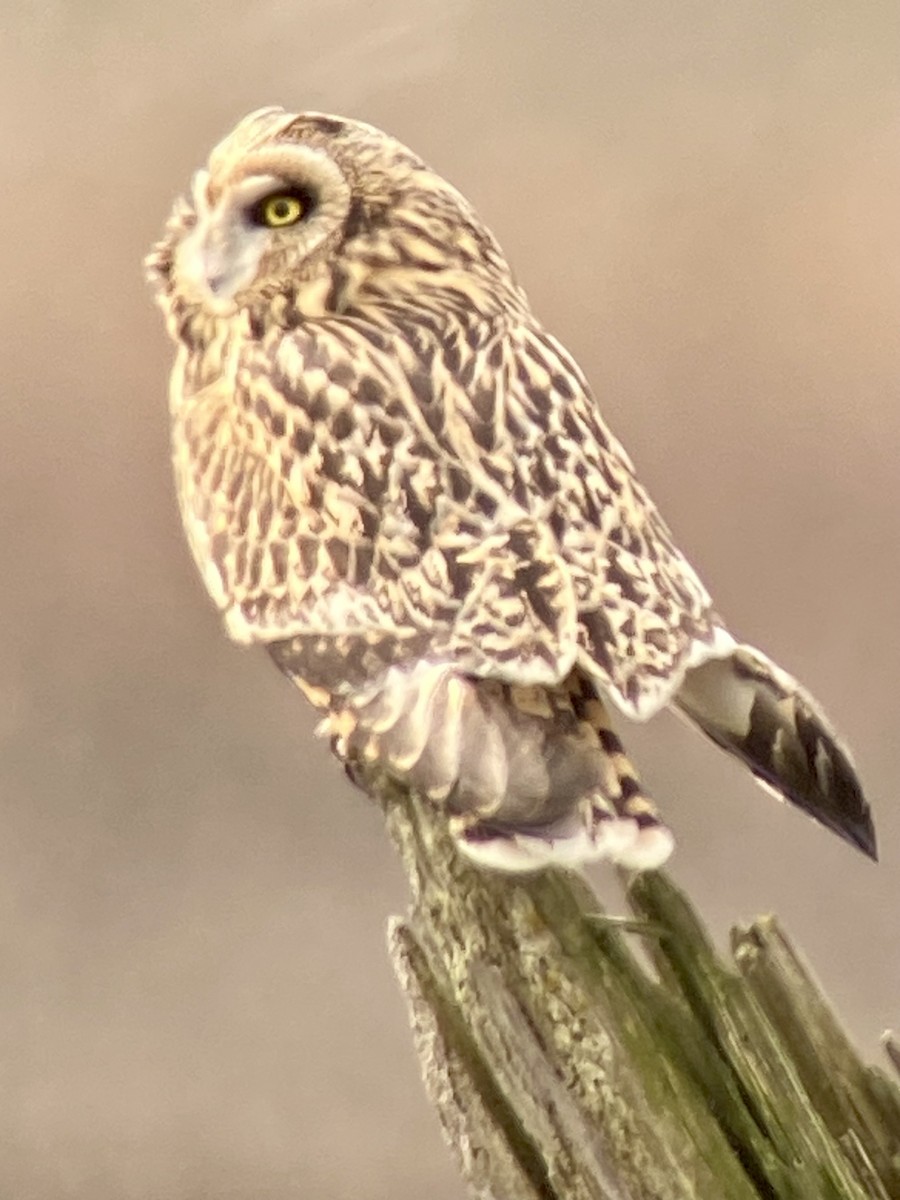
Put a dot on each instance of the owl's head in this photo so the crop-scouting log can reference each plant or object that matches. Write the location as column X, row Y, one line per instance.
column 317, row 214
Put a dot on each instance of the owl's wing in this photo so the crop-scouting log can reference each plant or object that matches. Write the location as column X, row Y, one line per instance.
column 646, row 629
column 524, row 420
column 350, row 479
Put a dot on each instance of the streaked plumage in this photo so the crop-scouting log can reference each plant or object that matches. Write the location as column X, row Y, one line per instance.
column 395, row 479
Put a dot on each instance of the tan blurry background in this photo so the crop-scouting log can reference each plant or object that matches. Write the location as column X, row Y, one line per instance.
column 702, row 200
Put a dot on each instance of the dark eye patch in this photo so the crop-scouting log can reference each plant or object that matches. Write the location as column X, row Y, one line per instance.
column 305, row 197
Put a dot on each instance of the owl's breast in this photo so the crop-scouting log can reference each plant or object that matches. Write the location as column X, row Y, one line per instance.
column 285, row 495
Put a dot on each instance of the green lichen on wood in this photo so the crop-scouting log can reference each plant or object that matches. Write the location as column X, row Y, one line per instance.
column 563, row 1069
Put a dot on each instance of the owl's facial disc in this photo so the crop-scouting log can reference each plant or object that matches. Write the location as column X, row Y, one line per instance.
column 260, row 227
column 222, row 254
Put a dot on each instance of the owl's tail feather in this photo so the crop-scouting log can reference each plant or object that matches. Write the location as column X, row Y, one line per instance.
column 756, row 711
column 529, row 776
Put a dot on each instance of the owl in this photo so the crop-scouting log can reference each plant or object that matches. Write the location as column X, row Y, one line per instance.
column 398, row 482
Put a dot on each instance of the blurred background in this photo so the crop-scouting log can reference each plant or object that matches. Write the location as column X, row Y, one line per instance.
column 702, row 200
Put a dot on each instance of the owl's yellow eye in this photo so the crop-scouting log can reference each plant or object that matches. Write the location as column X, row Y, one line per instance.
column 283, row 208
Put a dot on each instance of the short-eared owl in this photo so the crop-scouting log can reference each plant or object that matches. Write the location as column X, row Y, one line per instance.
column 398, row 482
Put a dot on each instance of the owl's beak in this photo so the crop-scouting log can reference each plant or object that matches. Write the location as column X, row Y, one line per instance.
column 218, row 276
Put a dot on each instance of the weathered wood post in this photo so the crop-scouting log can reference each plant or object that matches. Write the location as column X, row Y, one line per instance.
column 562, row 1068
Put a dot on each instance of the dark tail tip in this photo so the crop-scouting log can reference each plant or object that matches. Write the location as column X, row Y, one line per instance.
column 861, row 833
column 759, row 713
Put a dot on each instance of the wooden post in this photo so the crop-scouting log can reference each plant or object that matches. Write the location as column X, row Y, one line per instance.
column 562, row 1068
